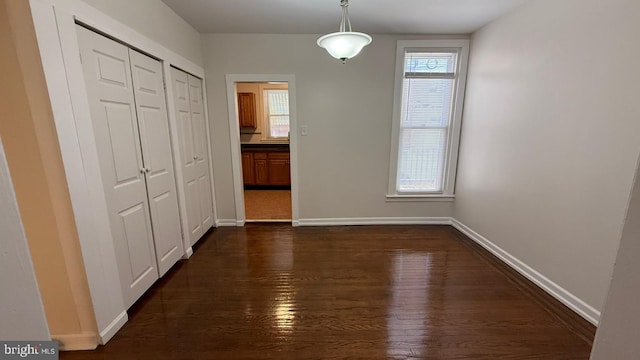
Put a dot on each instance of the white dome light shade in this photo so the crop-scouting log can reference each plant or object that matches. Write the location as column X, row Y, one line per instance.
column 344, row 45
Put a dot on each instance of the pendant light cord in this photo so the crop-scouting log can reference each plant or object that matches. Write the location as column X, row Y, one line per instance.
column 345, row 16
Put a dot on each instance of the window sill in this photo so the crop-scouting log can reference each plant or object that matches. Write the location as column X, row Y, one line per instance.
column 422, row 197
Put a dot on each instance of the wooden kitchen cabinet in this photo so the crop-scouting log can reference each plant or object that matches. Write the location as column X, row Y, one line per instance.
column 248, row 173
column 279, row 169
column 247, row 110
column 266, row 168
column 261, row 169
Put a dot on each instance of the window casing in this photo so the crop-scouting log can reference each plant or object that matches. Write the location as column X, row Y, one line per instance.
column 429, row 93
column 276, row 112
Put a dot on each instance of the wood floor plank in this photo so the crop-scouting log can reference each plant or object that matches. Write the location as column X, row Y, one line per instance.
column 362, row 292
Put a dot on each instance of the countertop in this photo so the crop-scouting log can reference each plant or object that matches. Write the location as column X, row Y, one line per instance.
column 264, row 147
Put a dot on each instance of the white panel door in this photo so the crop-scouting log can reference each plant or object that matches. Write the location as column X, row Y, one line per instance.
column 188, row 155
column 109, row 88
column 200, row 152
column 148, row 86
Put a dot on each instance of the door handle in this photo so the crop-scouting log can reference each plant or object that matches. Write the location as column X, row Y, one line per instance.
column 147, row 170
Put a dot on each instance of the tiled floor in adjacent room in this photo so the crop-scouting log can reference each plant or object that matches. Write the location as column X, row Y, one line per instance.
column 267, row 204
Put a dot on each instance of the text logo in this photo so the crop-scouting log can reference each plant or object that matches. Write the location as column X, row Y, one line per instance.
column 45, row 350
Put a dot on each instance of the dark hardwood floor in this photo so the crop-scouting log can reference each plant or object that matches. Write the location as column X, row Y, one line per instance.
column 361, row 292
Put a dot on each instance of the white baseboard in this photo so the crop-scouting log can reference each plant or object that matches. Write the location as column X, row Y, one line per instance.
column 226, row 222
column 374, row 221
column 111, row 329
column 82, row 341
column 573, row 302
column 188, row 253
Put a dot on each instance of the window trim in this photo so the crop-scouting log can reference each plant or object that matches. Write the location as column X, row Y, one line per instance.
column 453, row 141
column 266, row 130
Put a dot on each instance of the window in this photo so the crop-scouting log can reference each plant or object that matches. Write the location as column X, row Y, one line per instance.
column 276, row 104
column 430, row 77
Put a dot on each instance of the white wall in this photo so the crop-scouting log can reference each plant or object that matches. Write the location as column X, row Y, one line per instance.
column 617, row 336
column 550, row 137
column 157, row 21
column 344, row 161
column 21, row 310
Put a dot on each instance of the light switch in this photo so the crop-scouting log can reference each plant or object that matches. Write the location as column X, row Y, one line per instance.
column 304, row 130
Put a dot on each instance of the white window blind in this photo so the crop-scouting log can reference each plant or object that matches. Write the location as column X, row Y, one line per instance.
column 277, row 112
column 425, row 118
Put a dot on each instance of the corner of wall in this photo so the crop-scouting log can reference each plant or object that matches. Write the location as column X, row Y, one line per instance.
column 41, row 189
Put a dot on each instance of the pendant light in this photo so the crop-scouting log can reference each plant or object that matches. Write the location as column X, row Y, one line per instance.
column 345, row 43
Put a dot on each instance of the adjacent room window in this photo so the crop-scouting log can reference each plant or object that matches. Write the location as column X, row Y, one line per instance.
column 276, row 103
column 430, row 77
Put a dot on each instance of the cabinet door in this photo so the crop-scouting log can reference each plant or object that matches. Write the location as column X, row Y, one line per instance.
column 279, row 169
column 188, row 155
column 247, row 110
column 261, row 168
column 248, row 177
column 109, row 88
column 148, row 86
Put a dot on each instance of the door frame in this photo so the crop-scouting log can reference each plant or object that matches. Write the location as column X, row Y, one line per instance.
column 234, row 135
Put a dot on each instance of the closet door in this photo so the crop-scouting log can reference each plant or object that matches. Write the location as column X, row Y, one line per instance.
column 188, row 155
column 192, row 135
column 148, row 86
column 109, row 87
column 201, row 152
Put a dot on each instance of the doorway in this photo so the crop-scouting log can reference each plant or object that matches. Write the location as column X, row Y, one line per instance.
column 262, row 130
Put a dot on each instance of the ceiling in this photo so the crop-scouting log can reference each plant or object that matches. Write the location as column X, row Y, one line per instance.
column 322, row 16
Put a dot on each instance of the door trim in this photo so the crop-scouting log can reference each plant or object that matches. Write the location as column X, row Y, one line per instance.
column 234, row 135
